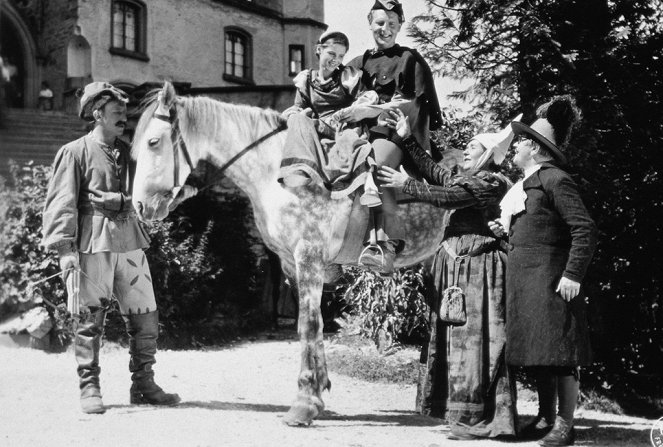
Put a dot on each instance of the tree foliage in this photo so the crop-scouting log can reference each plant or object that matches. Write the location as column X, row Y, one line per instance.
column 609, row 55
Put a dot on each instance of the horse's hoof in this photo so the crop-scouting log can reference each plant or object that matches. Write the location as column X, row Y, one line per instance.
column 302, row 413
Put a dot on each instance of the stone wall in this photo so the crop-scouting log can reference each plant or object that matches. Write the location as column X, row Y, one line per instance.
column 185, row 42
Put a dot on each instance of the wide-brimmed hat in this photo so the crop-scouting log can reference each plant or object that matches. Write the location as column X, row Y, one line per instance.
column 95, row 95
column 496, row 144
column 553, row 128
column 390, row 5
column 543, row 133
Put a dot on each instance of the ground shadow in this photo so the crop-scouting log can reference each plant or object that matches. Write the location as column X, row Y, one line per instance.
column 234, row 406
column 594, row 432
column 404, row 418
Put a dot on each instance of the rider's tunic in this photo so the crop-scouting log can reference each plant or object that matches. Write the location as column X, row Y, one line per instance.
column 108, row 236
column 400, row 74
column 326, row 97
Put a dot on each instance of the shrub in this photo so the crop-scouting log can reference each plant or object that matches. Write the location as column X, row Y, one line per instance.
column 391, row 309
column 203, row 260
column 24, row 262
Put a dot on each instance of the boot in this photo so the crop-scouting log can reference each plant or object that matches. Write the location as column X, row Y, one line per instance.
column 143, row 330
column 562, row 434
column 89, row 329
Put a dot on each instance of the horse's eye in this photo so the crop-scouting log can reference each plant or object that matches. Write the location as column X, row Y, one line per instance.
column 153, row 141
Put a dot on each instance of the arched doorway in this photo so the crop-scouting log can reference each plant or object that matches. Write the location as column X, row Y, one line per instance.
column 79, row 61
column 18, row 53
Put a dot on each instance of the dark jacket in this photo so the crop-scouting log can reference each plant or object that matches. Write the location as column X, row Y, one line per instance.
column 553, row 237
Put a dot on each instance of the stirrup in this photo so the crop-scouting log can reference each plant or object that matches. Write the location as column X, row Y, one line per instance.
column 366, row 249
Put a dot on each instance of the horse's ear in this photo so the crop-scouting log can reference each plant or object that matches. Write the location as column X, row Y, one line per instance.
column 168, row 94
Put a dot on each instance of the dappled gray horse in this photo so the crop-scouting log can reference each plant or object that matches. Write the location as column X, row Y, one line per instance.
column 304, row 227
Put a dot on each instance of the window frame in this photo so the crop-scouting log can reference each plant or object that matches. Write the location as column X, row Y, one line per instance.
column 247, row 39
column 302, row 49
column 141, row 31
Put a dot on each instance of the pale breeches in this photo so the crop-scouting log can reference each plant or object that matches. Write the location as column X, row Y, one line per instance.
column 125, row 276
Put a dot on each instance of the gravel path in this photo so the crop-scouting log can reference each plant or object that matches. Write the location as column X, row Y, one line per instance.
column 231, row 397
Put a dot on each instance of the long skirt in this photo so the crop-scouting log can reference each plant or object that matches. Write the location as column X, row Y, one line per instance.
column 464, row 378
column 340, row 165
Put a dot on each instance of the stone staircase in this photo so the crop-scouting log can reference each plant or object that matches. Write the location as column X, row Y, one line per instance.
column 33, row 135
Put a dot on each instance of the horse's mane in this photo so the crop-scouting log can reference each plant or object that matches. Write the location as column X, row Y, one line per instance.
column 200, row 114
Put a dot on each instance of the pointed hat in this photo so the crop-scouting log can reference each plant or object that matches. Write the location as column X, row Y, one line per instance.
column 496, row 144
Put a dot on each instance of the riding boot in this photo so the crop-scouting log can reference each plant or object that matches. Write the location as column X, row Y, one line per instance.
column 89, row 329
column 143, row 330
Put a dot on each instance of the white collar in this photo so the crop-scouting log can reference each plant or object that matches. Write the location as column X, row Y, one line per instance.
column 531, row 170
column 513, row 203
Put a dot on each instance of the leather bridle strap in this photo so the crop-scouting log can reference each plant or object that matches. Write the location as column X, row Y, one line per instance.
column 176, row 134
column 178, row 143
column 281, row 127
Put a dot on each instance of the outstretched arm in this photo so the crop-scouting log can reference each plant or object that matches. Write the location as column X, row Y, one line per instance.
column 431, row 171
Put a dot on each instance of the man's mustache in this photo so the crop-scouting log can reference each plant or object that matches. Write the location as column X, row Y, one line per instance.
column 121, row 123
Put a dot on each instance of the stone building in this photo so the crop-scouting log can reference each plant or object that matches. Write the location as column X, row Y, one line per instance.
column 241, row 51
column 247, row 50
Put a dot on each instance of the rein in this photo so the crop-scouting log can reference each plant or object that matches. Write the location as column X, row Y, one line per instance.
column 176, row 135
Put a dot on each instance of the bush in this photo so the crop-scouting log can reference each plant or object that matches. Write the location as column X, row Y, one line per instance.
column 390, row 309
column 205, row 271
column 203, row 260
column 24, row 261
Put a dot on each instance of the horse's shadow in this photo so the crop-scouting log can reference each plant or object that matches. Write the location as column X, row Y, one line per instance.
column 233, row 406
column 208, row 405
column 404, row 418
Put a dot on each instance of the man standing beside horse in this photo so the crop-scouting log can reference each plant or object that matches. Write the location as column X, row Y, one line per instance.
column 89, row 219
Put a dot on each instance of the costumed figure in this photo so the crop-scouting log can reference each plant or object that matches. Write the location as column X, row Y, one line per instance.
column 471, row 386
column 89, row 219
column 551, row 241
column 403, row 80
column 319, row 149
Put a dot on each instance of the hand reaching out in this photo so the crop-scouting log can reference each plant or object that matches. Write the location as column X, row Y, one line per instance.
column 397, row 120
column 392, row 178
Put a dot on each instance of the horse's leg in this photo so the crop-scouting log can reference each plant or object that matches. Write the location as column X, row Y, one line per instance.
column 313, row 379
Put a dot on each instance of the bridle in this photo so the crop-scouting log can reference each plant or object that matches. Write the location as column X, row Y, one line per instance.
column 179, row 145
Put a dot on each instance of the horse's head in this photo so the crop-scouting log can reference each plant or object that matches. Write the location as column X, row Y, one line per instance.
column 162, row 159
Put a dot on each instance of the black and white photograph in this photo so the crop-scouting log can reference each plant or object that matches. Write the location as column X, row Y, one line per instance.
column 212, row 210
